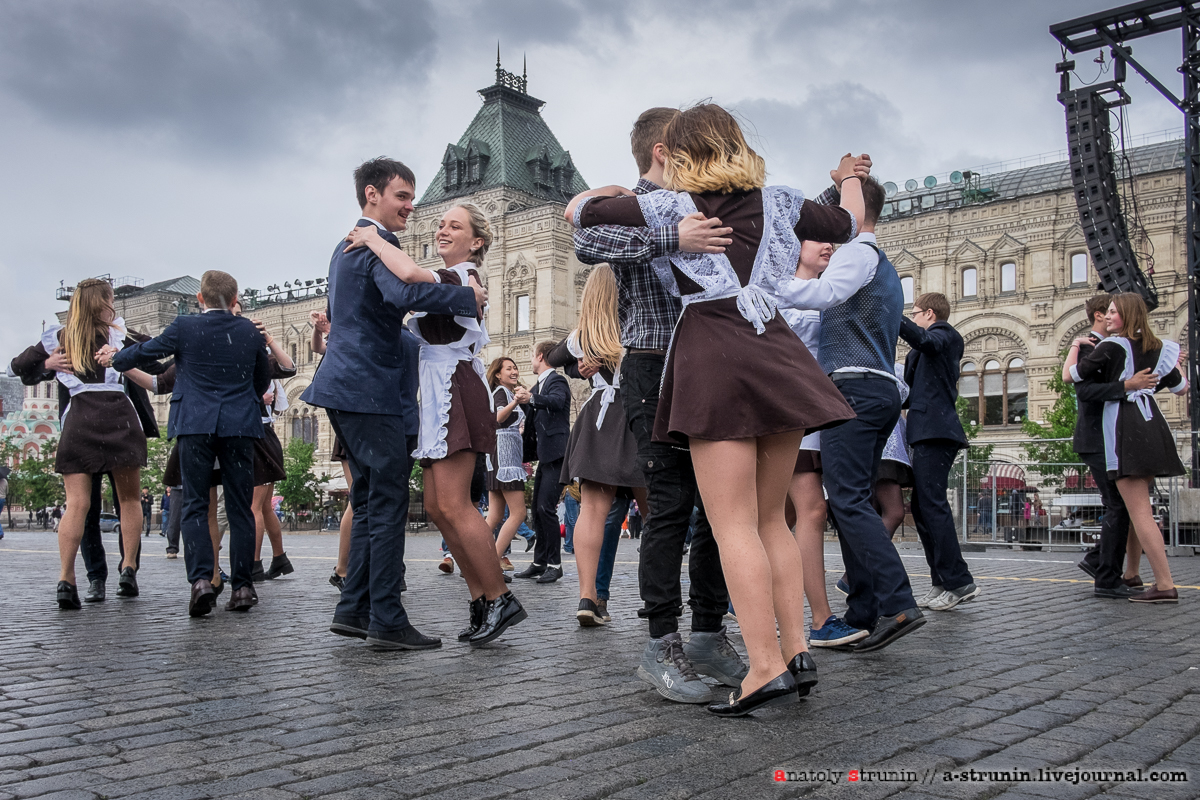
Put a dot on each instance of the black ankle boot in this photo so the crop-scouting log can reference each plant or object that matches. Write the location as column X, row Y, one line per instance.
column 498, row 615
column 68, row 596
column 478, row 605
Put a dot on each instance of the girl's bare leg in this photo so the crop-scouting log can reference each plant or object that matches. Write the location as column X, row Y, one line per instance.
column 128, row 483
column 516, row 515
column 889, row 498
column 343, row 562
column 776, row 460
column 466, row 532
column 597, row 500
column 1133, row 554
column 809, row 500
column 70, row 528
column 1136, row 494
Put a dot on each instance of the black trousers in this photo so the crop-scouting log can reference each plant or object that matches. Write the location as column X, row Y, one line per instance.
column 850, row 455
column 931, row 463
column 380, row 463
column 197, row 452
column 672, row 495
column 174, row 519
column 1108, row 557
column 547, row 549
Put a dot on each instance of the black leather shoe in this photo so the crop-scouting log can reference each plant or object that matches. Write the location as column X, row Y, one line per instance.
column 779, row 690
column 127, row 584
column 68, row 596
column 889, row 629
column 95, row 592
column 354, row 627
column 338, row 582
column 498, row 615
column 218, row 588
column 253, row 595
column 256, row 572
column 532, row 571
column 1121, row 592
column 478, row 605
column 204, row 597
column 529, row 543
column 551, row 574
column 507, row 577
column 280, row 565
column 408, row 639
column 240, row 599
column 1086, row 567
column 804, row 672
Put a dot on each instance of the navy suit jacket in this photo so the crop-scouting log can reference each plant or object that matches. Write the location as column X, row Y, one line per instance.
column 931, row 372
column 364, row 368
column 221, row 372
column 551, row 404
column 1090, row 397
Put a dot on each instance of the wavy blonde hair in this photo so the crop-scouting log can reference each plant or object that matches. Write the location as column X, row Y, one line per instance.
column 706, row 152
column 1135, row 320
column 85, row 322
column 480, row 229
column 599, row 329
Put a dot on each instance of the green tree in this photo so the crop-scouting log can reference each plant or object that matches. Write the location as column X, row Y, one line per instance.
column 299, row 488
column 1054, row 458
column 37, row 485
column 10, row 456
column 157, row 452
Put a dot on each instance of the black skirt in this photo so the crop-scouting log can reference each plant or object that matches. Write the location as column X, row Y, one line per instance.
column 268, row 457
column 101, row 432
column 606, row 455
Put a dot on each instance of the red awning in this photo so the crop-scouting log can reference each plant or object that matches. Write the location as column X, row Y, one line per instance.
column 1005, row 476
column 1072, row 480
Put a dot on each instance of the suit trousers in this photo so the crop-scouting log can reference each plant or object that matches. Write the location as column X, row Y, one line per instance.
column 931, row 463
column 236, row 455
column 174, row 519
column 547, row 549
column 672, row 495
column 91, row 546
column 379, row 454
column 1108, row 557
column 850, row 455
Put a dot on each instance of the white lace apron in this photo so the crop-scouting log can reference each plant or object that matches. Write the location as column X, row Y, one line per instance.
column 437, row 366
column 896, row 449
column 1142, row 398
column 112, row 378
column 509, row 447
column 607, row 391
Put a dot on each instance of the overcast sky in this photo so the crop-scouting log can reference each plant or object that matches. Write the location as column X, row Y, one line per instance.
column 162, row 138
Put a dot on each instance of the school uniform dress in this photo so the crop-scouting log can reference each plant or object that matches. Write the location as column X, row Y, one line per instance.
column 268, row 451
column 601, row 449
column 1137, row 439
column 506, row 471
column 456, row 406
column 101, row 431
column 733, row 370
column 896, row 465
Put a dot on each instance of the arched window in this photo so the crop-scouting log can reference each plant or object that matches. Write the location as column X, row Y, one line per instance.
column 1016, row 392
column 993, row 394
column 968, row 389
column 306, row 430
column 316, row 430
column 970, row 282
column 1079, row 268
column 310, row 352
column 297, row 431
column 906, row 283
column 1008, row 277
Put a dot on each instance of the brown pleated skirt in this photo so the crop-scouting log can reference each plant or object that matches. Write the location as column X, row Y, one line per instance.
column 101, row 432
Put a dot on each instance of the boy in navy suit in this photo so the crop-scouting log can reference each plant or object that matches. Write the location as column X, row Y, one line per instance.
column 221, row 373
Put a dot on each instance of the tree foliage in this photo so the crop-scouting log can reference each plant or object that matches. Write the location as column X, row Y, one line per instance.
column 34, row 483
column 1054, row 458
column 157, row 452
column 299, row 488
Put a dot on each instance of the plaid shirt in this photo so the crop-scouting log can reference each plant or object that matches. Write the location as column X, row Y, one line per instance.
column 646, row 311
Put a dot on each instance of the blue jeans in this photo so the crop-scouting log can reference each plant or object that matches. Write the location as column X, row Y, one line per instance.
column 608, row 550
column 571, row 509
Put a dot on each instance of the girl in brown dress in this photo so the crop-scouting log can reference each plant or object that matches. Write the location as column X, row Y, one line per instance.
column 457, row 418
column 1138, row 445
column 602, row 452
column 736, row 388
column 506, row 474
column 100, row 428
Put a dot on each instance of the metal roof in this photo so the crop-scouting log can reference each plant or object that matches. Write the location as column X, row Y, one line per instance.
column 186, row 285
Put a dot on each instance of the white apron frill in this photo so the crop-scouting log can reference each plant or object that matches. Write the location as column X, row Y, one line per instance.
column 606, row 390
column 437, row 366
column 112, row 378
column 1142, row 398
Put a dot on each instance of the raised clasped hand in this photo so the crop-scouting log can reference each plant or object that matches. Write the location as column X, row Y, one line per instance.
column 104, row 355
column 319, row 321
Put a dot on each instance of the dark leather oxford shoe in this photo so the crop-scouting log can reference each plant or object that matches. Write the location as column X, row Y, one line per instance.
column 355, row 627
column 203, row 598
column 804, row 672
column 498, row 615
column 889, row 629
column 127, row 583
column 779, row 690
column 408, row 639
column 68, row 596
column 552, row 573
column 95, row 592
column 240, row 599
column 532, row 571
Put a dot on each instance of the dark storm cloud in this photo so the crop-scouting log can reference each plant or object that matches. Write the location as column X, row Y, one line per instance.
column 218, row 75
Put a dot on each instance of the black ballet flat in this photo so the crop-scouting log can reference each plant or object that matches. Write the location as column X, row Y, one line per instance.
column 478, row 605
column 804, row 672
column 777, row 691
column 68, row 597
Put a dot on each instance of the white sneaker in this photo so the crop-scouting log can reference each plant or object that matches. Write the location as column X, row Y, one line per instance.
column 934, row 593
column 952, row 597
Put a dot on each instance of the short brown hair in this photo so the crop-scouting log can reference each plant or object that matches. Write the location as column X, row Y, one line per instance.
column 379, row 172
column 873, row 197
column 542, row 349
column 1097, row 305
column 935, row 302
column 218, row 288
column 647, row 132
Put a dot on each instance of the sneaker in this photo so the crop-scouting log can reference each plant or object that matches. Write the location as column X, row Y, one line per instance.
column 843, row 585
column 665, row 667
column 588, row 615
column 934, row 593
column 447, row 565
column 172, row 555
column 506, row 565
column 952, row 597
column 835, row 633
column 602, row 610
column 713, row 655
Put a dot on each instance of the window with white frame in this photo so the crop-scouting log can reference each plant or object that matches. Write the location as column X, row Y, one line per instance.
column 1008, row 277
column 1079, row 268
column 522, row 312
column 906, row 284
column 970, row 282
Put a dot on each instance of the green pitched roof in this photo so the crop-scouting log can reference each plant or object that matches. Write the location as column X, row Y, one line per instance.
column 507, row 144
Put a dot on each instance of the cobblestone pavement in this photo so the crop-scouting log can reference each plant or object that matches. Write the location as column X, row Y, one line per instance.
column 131, row 698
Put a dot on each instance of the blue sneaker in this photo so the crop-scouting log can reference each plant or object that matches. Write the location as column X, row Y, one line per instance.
column 842, row 586
column 834, row 633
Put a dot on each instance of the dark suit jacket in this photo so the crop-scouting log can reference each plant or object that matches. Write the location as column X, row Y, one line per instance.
column 551, row 407
column 931, row 372
column 1089, row 415
column 221, row 372
column 363, row 369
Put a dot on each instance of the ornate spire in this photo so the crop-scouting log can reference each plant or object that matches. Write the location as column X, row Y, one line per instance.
column 508, row 79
